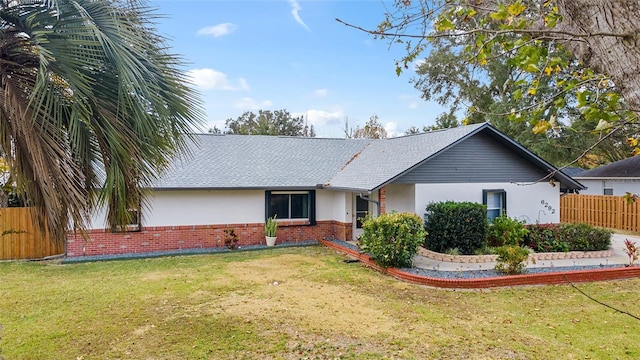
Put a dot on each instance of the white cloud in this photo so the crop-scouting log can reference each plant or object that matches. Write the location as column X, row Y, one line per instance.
column 320, row 93
column 392, row 129
column 210, row 79
column 295, row 8
column 322, row 117
column 247, row 103
column 218, row 30
column 413, row 105
column 242, row 84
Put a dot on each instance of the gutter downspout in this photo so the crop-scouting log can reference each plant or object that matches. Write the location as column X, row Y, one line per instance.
column 366, row 197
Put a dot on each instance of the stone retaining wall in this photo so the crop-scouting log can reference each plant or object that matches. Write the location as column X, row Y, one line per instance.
column 466, row 259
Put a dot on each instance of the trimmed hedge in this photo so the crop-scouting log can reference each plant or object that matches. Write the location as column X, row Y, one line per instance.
column 584, row 237
column 567, row 237
column 544, row 238
column 461, row 225
column 392, row 239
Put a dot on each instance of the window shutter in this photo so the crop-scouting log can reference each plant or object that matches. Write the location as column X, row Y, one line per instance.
column 312, row 205
column 267, row 201
column 504, row 202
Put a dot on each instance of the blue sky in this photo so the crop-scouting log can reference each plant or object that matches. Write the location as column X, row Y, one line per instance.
column 287, row 54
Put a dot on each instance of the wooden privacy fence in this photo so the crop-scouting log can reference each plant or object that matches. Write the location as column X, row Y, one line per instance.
column 23, row 239
column 601, row 210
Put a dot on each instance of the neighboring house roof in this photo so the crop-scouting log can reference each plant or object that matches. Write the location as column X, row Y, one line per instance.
column 572, row 171
column 627, row 168
column 272, row 162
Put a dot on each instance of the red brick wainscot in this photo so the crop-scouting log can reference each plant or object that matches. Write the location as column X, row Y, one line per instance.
column 163, row 238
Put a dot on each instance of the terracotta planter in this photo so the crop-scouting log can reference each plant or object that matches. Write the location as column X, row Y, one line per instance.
column 271, row 240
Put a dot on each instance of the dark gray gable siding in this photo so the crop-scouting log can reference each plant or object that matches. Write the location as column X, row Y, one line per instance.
column 476, row 159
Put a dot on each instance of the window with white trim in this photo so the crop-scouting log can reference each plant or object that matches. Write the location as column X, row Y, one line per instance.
column 607, row 191
column 496, row 201
column 291, row 205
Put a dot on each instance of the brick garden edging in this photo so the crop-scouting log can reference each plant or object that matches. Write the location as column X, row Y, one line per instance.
column 467, row 259
column 552, row 278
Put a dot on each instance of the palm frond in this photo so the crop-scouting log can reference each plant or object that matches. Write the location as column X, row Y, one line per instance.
column 92, row 106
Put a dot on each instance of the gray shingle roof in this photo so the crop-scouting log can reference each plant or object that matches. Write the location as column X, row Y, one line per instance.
column 244, row 161
column 384, row 160
column 572, row 171
column 273, row 162
column 620, row 169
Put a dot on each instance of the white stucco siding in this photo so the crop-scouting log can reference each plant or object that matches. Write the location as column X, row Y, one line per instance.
column 620, row 187
column 401, row 198
column 332, row 205
column 227, row 207
column 219, row 207
column 98, row 219
column 537, row 202
column 204, row 207
column 196, row 207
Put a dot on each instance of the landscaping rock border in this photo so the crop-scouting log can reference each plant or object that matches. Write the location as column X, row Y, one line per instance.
column 470, row 259
column 549, row 278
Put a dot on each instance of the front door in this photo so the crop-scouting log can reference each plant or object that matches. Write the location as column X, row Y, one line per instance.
column 361, row 207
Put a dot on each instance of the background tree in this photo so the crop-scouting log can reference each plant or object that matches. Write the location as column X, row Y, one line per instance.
column 214, row 130
column 583, row 51
column 348, row 130
column 93, row 107
column 443, row 121
column 373, row 129
column 481, row 93
column 267, row 122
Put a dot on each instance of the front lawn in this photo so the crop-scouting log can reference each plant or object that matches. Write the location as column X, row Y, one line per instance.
column 295, row 303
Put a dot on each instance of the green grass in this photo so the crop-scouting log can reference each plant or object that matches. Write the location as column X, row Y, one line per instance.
column 296, row 303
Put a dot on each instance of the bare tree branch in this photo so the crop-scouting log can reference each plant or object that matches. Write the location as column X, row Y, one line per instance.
column 539, row 34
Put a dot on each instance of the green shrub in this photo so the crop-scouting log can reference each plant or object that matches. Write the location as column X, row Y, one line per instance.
column 584, row 237
column 452, row 251
column 506, row 231
column 392, row 239
column 456, row 225
column 512, row 259
column 544, row 238
column 487, row 250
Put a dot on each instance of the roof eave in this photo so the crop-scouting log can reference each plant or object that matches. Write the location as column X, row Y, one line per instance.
column 607, row 178
column 347, row 188
column 233, row 188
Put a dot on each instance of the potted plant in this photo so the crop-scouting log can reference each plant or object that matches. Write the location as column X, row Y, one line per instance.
column 270, row 229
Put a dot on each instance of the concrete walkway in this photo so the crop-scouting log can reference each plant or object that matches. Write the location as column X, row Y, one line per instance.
column 617, row 243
